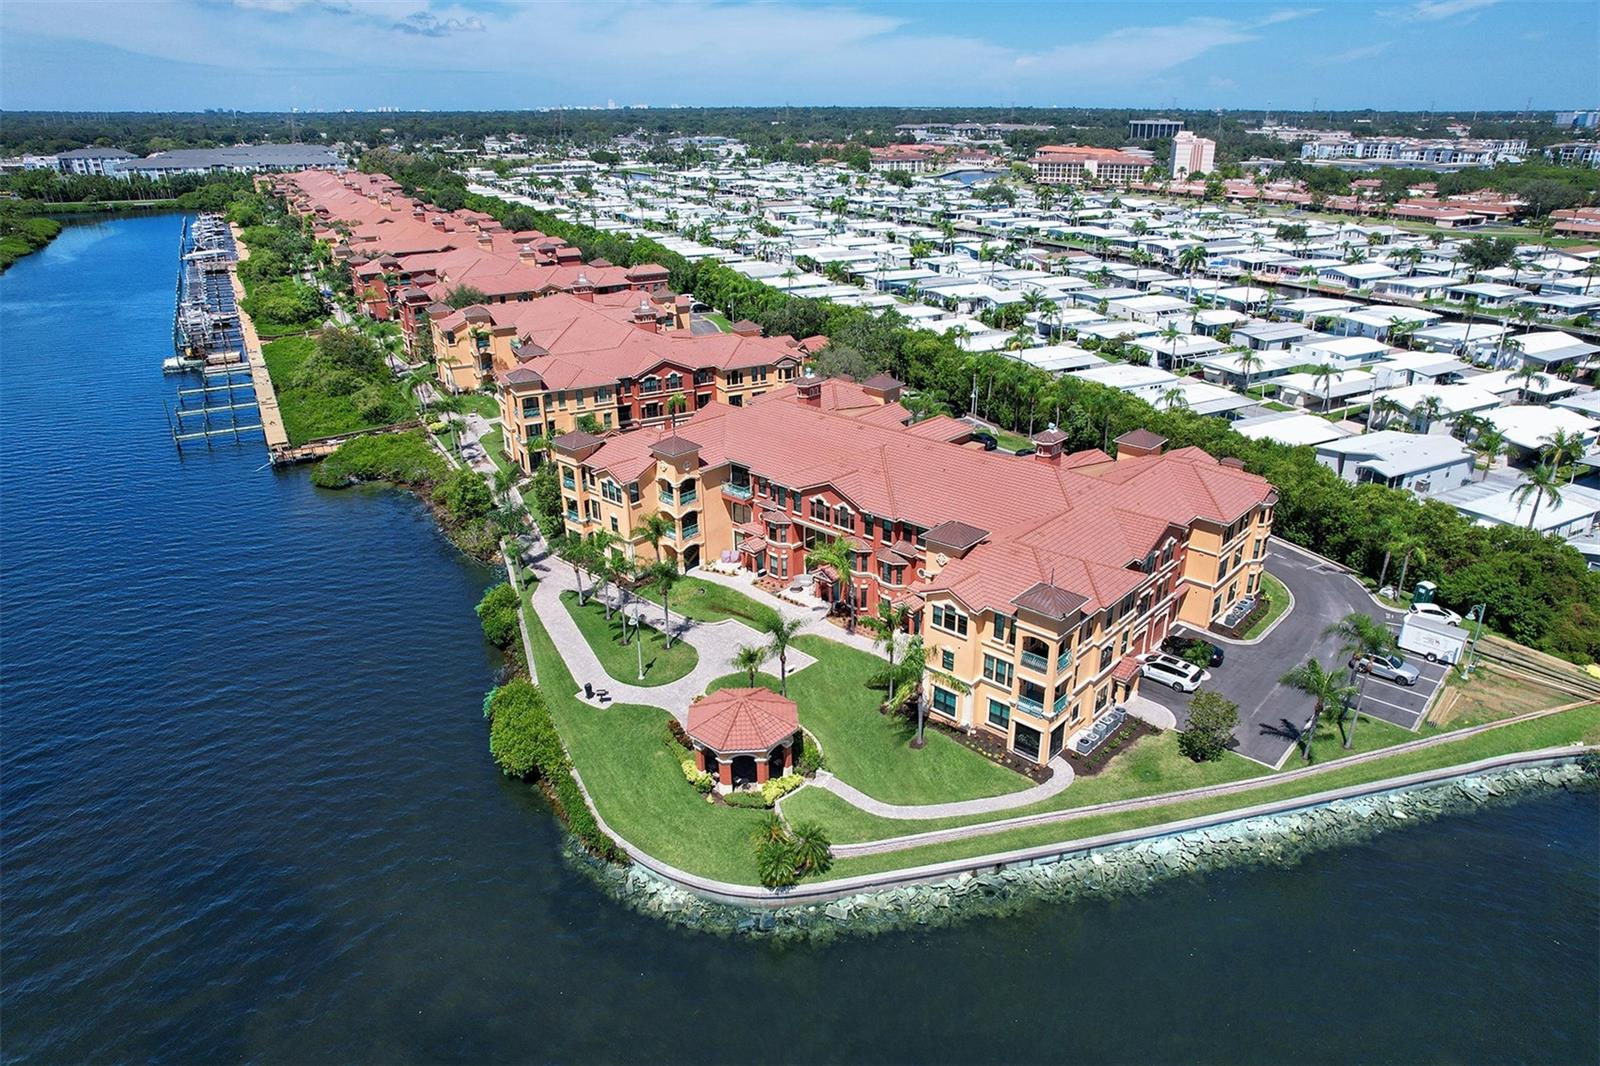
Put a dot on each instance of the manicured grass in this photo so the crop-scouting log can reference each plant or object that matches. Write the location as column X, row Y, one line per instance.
column 633, row 772
column 1153, row 765
column 1327, row 744
column 1581, row 724
column 661, row 663
column 872, row 751
column 718, row 319
column 1278, row 602
column 494, row 446
column 483, row 404
column 705, row 601
column 1012, row 441
column 306, row 413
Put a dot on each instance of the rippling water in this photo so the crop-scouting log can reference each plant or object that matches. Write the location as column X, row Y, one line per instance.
column 248, row 812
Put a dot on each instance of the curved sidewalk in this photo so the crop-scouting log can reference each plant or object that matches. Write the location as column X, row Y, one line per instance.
column 715, row 642
column 957, row 808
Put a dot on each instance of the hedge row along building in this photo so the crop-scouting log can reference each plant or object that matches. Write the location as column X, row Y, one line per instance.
column 1036, row 582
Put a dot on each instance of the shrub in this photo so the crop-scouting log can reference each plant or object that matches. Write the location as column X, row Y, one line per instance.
column 464, row 496
column 774, row 788
column 776, row 864
column 676, row 734
column 700, row 779
column 1212, row 719
column 522, row 735
column 403, row 458
column 497, row 613
column 811, row 759
column 754, row 801
column 813, row 851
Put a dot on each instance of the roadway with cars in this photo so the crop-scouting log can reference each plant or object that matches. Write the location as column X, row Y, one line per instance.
column 1271, row 715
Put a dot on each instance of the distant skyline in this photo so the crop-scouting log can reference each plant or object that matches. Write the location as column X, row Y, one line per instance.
column 316, row 55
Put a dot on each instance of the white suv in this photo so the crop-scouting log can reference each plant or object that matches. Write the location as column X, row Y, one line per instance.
column 1434, row 611
column 1171, row 670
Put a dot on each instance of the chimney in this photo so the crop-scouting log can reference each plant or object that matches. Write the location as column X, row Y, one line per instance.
column 1047, row 446
column 808, row 388
column 485, row 241
column 644, row 317
column 528, row 253
column 582, row 289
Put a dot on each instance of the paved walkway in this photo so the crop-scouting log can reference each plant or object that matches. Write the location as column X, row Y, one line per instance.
column 816, row 617
column 956, row 808
column 716, row 643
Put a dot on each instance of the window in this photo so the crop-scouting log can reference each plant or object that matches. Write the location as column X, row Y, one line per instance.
column 1105, row 656
column 1216, row 606
column 999, row 714
column 614, row 527
column 674, row 381
column 949, row 619
column 530, row 406
column 819, row 509
column 633, row 492
column 841, row 517
column 602, row 394
column 866, row 526
column 650, row 384
column 736, row 377
column 944, row 701
column 1005, row 629
column 1026, row 742
column 997, row 670
column 947, row 659
column 1100, row 699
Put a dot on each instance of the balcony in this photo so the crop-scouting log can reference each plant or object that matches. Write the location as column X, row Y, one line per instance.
column 688, row 495
column 1036, row 662
column 689, row 532
column 1064, row 660
column 1030, row 706
column 1061, row 704
column 738, row 492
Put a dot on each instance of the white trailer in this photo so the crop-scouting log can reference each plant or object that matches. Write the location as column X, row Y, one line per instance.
column 1434, row 640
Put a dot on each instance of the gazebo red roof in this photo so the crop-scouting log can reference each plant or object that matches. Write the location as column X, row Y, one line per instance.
column 743, row 719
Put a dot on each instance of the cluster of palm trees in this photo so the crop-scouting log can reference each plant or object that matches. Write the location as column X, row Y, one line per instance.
column 1337, row 696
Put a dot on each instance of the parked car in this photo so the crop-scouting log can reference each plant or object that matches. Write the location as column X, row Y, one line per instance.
column 1389, row 667
column 1194, row 650
column 989, row 441
column 1171, row 670
column 1433, row 610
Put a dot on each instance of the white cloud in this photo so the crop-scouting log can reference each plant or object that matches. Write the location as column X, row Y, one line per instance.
column 1439, row 10
column 1351, row 55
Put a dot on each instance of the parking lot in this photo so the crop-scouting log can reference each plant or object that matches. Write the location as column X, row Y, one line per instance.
column 1271, row 715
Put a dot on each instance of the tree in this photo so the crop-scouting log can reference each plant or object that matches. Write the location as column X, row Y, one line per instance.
column 749, row 658
column 1170, row 333
column 1323, row 374
column 813, row 851
column 782, row 632
column 656, row 526
column 576, row 553
column 837, row 554
column 1192, row 259
column 885, row 626
column 1488, row 446
column 1541, row 483
column 1561, row 445
column 1212, row 720
column 1249, row 361
column 464, row 296
column 664, row 576
column 1330, row 693
column 1360, row 636
column 1485, row 253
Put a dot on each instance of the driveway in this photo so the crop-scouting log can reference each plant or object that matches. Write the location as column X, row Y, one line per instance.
column 1270, row 714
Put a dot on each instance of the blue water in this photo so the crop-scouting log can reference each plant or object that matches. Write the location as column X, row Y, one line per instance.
column 248, row 812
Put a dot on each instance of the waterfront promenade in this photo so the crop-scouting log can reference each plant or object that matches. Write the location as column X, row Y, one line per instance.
column 266, row 396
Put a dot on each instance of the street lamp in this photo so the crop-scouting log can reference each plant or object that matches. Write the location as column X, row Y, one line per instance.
column 1475, row 616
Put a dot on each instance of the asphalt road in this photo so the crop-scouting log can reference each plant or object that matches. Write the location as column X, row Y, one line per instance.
column 1272, row 715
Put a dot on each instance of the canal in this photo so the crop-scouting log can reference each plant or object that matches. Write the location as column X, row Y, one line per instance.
column 249, row 812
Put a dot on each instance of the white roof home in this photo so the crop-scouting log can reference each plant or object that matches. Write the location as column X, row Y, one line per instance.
column 1529, row 426
column 1458, row 336
column 1377, row 319
column 1494, row 503
column 1408, row 368
column 1149, row 308
column 1227, row 367
column 1546, row 388
column 1125, row 328
column 1453, row 400
column 1423, row 463
column 1355, row 275
column 1203, row 399
column 1553, row 347
column 1487, row 293
column 1144, row 381
column 1310, row 307
column 1308, row 390
column 1179, row 351
column 1585, row 403
column 1342, row 351
column 1286, row 427
column 1058, row 358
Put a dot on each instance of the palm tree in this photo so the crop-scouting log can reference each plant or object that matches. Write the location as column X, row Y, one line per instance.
column 749, row 659
column 1174, row 399
column 1326, row 687
column 1401, row 329
column 676, row 405
column 1530, row 375
column 655, row 526
column 1360, row 636
column 1384, row 408
column 1561, row 445
column 451, row 406
column 574, row 551
column 664, row 576
column 885, row 625
column 810, row 847
column 782, row 632
column 923, row 405
column 1323, row 374
column 839, row 555
column 505, row 479
column 1429, row 410
column 418, row 385
column 1541, row 483
column 1488, row 446
column 1410, row 547
column 1249, row 361
column 598, row 552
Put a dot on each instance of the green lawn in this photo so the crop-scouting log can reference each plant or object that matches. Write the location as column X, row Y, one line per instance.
column 1328, row 743
column 307, row 413
column 634, row 775
column 705, row 601
column 718, row 319
column 1581, row 724
column 483, row 404
column 872, row 751
column 1152, row 766
column 494, row 446
column 1278, row 599
column 661, row 664
column 1011, row 441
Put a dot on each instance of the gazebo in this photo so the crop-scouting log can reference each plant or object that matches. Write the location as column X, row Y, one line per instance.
column 744, row 735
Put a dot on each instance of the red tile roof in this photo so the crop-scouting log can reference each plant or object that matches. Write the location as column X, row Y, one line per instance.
column 742, row 720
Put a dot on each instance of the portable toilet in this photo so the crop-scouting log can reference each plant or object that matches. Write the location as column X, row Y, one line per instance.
column 1424, row 592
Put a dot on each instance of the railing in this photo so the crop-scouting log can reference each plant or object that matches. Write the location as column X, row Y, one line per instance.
column 690, row 531
column 1035, row 661
column 688, row 496
column 1061, row 703
column 1031, row 706
column 738, row 492
column 567, row 482
column 1063, row 661
column 666, row 495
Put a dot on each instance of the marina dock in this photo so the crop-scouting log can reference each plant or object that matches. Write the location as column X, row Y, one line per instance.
column 266, row 396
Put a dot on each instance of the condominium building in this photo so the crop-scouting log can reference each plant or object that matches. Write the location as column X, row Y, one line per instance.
column 1192, row 155
column 1056, row 164
column 1578, row 153
column 1035, row 582
column 1438, row 152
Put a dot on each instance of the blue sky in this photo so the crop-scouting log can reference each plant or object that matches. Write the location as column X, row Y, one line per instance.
column 328, row 54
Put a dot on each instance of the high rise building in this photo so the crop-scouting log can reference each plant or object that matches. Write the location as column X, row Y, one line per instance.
column 1192, row 155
